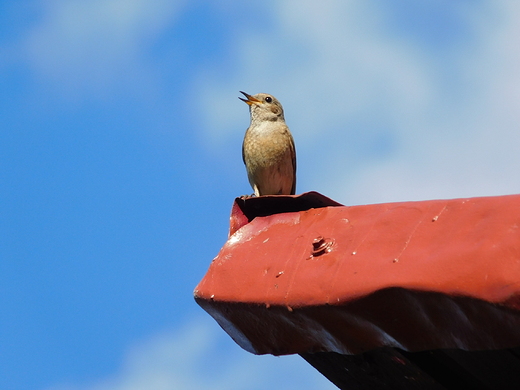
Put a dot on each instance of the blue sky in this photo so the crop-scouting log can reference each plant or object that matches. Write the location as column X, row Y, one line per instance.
column 120, row 137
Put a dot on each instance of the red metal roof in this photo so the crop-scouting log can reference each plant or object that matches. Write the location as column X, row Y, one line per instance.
column 304, row 274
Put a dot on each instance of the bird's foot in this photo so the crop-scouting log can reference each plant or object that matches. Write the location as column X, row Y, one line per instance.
column 244, row 197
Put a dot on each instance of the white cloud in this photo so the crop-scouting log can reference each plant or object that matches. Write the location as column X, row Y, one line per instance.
column 92, row 45
column 345, row 75
column 471, row 147
column 323, row 58
column 191, row 358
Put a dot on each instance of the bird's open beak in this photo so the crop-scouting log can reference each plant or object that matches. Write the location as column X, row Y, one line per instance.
column 250, row 99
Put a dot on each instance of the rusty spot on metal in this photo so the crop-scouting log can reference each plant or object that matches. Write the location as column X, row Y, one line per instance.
column 321, row 245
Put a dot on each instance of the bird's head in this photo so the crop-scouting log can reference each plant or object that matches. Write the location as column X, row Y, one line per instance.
column 263, row 107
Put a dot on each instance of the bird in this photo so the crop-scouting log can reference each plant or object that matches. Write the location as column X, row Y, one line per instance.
column 268, row 149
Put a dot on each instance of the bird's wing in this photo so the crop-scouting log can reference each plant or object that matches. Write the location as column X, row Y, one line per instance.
column 293, row 154
column 243, row 154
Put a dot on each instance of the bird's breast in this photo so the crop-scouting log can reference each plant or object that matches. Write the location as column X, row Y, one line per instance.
column 266, row 144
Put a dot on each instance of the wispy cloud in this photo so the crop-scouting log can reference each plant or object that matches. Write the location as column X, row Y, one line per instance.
column 379, row 112
column 191, row 358
column 95, row 46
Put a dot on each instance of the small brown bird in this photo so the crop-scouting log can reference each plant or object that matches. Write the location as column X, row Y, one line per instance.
column 268, row 149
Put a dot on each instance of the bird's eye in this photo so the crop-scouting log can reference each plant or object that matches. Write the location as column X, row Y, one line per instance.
column 268, row 99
